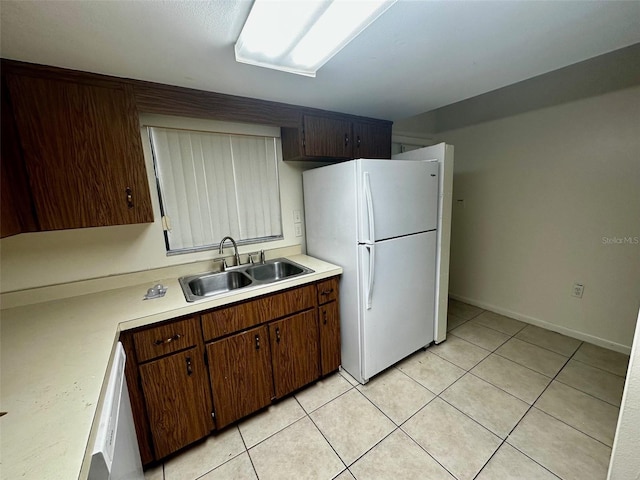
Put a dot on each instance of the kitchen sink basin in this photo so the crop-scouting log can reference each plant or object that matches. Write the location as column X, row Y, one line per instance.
column 213, row 284
column 274, row 271
column 196, row 287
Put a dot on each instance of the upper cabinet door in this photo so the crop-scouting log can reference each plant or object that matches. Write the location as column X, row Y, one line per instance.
column 327, row 137
column 83, row 152
column 371, row 140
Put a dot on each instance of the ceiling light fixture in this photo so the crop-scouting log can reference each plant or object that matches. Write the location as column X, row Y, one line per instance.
column 301, row 36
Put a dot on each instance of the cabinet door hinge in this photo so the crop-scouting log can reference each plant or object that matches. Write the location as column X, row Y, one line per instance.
column 213, row 415
column 206, row 358
column 166, row 223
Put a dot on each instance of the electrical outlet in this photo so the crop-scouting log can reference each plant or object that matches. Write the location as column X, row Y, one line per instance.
column 578, row 290
column 298, row 229
column 297, row 216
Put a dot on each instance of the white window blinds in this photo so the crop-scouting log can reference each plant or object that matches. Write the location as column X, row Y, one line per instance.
column 212, row 185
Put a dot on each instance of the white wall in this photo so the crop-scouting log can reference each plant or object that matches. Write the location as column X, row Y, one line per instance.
column 541, row 191
column 47, row 258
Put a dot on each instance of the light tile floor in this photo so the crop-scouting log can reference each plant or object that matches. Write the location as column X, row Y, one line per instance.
column 499, row 399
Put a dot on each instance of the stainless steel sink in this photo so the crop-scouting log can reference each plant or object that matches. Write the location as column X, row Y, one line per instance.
column 208, row 284
column 274, row 271
column 196, row 287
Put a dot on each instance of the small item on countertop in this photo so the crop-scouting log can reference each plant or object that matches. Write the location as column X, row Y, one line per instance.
column 156, row 291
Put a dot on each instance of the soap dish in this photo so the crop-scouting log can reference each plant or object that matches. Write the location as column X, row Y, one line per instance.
column 156, row 291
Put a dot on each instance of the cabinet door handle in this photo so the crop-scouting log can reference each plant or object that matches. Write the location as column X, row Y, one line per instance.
column 189, row 368
column 277, row 334
column 324, row 317
column 129, row 197
column 177, row 336
column 358, row 141
column 327, row 292
column 346, row 139
column 257, row 342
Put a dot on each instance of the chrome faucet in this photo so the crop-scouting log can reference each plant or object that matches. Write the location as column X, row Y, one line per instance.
column 235, row 248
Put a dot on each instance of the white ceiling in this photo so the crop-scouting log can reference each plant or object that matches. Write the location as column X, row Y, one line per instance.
column 420, row 55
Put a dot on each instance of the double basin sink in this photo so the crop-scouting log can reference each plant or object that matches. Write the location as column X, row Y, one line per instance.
column 196, row 287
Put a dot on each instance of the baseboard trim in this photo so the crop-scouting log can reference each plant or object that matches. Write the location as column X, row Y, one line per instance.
column 601, row 342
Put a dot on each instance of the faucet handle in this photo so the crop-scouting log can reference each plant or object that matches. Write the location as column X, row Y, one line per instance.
column 224, row 262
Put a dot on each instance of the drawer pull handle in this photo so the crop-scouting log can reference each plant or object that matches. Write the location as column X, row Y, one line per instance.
column 257, row 342
column 324, row 317
column 177, row 336
column 277, row 334
column 327, row 292
column 189, row 369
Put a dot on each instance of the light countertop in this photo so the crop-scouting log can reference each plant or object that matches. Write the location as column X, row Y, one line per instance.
column 55, row 355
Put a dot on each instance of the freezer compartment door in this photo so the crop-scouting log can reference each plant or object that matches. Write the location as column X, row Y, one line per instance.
column 397, row 299
column 396, row 198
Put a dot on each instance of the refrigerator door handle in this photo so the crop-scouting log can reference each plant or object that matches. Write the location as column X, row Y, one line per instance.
column 369, row 198
column 372, row 263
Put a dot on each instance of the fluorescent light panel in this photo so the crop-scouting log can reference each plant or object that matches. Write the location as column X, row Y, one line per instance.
column 301, row 36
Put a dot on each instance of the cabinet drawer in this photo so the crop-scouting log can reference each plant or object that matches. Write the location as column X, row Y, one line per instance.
column 164, row 339
column 239, row 317
column 327, row 290
column 228, row 320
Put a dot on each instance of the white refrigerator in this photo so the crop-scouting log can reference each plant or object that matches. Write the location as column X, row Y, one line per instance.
column 378, row 220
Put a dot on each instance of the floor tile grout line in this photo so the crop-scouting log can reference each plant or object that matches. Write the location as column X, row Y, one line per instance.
column 246, row 449
column 333, row 448
column 548, row 349
column 426, row 451
column 500, row 331
column 526, row 366
column 598, row 368
column 531, row 458
column 506, row 391
column 587, row 393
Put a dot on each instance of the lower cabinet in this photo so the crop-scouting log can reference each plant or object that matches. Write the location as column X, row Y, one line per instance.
column 240, row 372
column 192, row 375
column 177, row 400
column 294, row 352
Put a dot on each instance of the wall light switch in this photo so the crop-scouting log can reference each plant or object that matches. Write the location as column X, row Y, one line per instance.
column 298, row 229
column 297, row 216
column 460, row 203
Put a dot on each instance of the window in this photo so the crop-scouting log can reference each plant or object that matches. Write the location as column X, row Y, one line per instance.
column 216, row 184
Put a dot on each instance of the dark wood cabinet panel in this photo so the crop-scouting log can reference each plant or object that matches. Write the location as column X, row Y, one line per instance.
column 335, row 138
column 329, row 327
column 326, row 137
column 83, row 152
column 371, row 140
column 177, row 399
column 240, row 372
column 294, row 352
column 245, row 315
column 17, row 214
column 167, row 338
column 327, row 290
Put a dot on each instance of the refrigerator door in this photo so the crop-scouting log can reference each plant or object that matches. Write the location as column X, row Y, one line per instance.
column 396, row 285
column 396, row 198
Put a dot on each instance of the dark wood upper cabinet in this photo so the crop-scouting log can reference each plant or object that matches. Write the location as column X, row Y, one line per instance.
column 335, row 138
column 82, row 150
column 17, row 213
column 371, row 140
